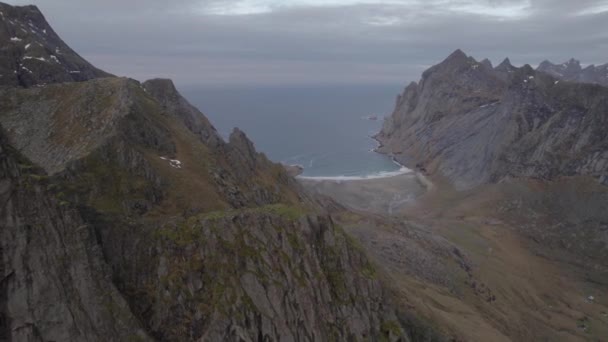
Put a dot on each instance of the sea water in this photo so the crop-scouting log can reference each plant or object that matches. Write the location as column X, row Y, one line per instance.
column 325, row 129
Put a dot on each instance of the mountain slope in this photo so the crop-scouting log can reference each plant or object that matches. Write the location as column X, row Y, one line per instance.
column 202, row 239
column 32, row 53
column 473, row 124
column 54, row 283
column 195, row 249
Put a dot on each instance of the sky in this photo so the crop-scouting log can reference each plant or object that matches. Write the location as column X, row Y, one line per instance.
column 308, row 42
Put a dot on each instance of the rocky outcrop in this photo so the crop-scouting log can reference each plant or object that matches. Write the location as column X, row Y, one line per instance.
column 239, row 167
column 54, row 283
column 572, row 71
column 33, row 54
column 473, row 124
column 175, row 105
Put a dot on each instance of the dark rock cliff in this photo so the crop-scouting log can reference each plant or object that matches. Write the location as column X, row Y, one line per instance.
column 474, row 124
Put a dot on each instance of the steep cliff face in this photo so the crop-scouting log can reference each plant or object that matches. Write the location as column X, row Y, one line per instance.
column 54, row 283
column 33, row 54
column 239, row 166
column 572, row 71
column 473, row 124
column 271, row 273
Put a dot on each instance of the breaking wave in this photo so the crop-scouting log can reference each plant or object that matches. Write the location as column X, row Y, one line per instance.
column 376, row 175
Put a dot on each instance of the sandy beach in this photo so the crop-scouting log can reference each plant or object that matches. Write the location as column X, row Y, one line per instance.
column 384, row 195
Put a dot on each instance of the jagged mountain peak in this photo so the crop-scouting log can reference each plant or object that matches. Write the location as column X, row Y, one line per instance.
column 505, row 65
column 455, row 64
column 457, row 59
column 458, row 54
column 572, row 70
column 33, row 54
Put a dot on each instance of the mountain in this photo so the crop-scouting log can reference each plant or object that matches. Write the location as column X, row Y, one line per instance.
column 515, row 144
column 127, row 217
column 572, row 71
column 473, row 124
column 33, row 54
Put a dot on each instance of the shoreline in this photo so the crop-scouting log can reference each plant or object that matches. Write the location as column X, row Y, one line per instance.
column 388, row 195
column 378, row 175
column 403, row 170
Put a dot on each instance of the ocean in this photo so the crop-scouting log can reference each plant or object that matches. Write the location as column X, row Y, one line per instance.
column 325, row 129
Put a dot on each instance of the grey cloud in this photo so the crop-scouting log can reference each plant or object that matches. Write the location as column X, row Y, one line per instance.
column 319, row 44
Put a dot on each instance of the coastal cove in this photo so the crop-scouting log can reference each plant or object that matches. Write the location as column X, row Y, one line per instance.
column 326, row 130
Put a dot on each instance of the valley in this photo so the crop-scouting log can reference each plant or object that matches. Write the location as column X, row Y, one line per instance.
column 464, row 260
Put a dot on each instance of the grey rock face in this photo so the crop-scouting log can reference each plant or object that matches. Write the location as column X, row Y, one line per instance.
column 31, row 53
column 572, row 71
column 473, row 124
column 54, row 283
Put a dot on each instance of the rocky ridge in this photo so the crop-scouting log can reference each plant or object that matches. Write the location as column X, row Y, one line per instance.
column 125, row 210
column 474, row 124
column 572, row 71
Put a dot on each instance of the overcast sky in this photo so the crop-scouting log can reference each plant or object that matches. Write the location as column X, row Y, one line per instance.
column 253, row 42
